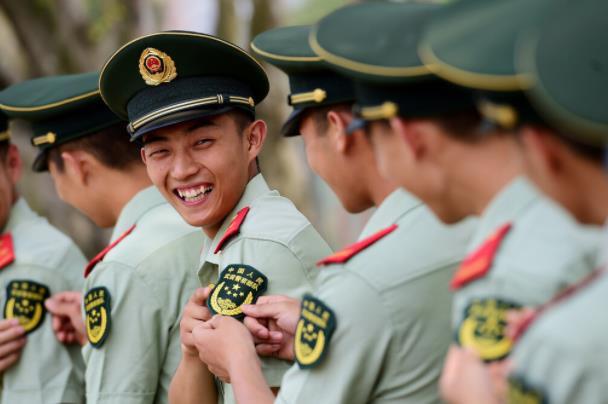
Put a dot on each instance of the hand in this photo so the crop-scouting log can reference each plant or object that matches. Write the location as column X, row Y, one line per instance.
column 517, row 320
column 12, row 341
column 272, row 321
column 195, row 313
column 68, row 324
column 466, row 379
column 224, row 344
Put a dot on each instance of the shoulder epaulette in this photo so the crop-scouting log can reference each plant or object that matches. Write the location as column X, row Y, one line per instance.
column 233, row 229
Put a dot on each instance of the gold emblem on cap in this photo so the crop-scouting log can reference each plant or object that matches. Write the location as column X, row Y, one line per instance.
column 156, row 67
column 6, row 135
column 49, row 138
column 501, row 114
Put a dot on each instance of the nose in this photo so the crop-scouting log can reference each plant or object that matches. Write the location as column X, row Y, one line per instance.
column 184, row 166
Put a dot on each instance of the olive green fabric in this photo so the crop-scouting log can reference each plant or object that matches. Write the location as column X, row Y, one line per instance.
column 47, row 371
column 562, row 357
column 381, row 55
column 391, row 304
column 566, row 59
column 150, row 275
column 59, row 108
column 544, row 251
column 312, row 83
column 276, row 240
column 192, row 75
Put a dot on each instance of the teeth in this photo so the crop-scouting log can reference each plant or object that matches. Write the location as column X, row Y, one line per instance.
column 194, row 194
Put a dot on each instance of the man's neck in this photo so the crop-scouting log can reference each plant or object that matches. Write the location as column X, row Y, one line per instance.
column 130, row 185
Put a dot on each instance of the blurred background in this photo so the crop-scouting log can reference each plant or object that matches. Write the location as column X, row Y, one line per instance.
column 47, row 37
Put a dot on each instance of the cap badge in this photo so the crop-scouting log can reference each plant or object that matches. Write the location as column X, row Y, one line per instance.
column 156, row 67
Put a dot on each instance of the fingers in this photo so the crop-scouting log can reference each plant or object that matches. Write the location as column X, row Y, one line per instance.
column 256, row 328
column 7, row 324
column 264, row 310
column 12, row 333
column 199, row 297
column 8, row 361
column 11, row 347
column 268, row 299
column 267, row 349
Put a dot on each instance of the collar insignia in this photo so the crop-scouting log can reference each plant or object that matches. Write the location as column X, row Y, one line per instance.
column 233, row 229
column 7, row 252
column 353, row 249
column 99, row 257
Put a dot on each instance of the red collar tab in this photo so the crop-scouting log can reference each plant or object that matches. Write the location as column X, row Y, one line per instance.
column 353, row 249
column 233, row 229
column 99, row 257
column 521, row 327
column 478, row 263
column 7, row 252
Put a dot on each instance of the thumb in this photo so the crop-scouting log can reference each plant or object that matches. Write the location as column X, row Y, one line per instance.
column 261, row 310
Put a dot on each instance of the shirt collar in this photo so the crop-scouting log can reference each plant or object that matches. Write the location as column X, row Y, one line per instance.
column 256, row 187
column 393, row 207
column 141, row 203
column 506, row 206
column 20, row 213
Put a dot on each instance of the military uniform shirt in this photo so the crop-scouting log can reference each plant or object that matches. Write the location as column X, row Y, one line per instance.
column 276, row 240
column 544, row 251
column 391, row 305
column 146, row 280
column 46, row 262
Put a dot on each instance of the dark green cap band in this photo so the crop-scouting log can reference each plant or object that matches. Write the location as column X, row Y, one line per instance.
column 171, row 77
column 59, row 109
column 312, row 83
column 4, row 133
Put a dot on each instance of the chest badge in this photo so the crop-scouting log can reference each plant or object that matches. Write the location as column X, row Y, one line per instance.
column 25, row 302
column 238, row 285
column 97, row 307
column 313, row 332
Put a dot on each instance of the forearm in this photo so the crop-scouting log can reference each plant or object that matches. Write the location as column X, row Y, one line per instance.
column 249, row 385
column 192, row 383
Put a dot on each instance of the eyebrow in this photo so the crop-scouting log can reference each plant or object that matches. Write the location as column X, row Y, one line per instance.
column 153, row 138
column 200, row 123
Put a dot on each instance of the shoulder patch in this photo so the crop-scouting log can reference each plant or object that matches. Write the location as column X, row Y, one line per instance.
column 518, row 391
column 7, row 252
column 347, row 253
column 478, row 263
column 98, row 311
column 483, row 328
column 313, row 332
column 237, row 285
column 25, row 302
column 233, row 229
column 99, row 257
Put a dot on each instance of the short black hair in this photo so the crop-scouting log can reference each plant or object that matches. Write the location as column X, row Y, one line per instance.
column 319, row 115
column 110, row 146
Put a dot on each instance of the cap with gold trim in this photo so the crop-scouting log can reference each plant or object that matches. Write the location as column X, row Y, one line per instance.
column 4, row 133
column 175, row 76
column 312, row 83
column 474, row 43
column 381, row 55
column 59, row 108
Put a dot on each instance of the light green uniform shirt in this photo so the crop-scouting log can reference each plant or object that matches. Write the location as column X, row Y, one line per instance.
column 278, row 241
column 149, row 275
column 47, row 371
column 544, row 251
column 391, row 305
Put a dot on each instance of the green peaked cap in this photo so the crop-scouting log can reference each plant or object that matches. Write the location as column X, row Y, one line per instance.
column 312, row 83
column 175, row 76
column 59, row 108
column 376, row 44
column 567, row 60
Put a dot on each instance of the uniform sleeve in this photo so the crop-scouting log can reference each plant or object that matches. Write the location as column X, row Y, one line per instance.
column 343, row 376
column 47, row 370
column 125, row 354
column 286, row 275
column 545, row 372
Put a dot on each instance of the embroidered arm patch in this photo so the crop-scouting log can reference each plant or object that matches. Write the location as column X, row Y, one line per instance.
column 313, row 333
column 483, row 328
column 25, row 302
column 97, row 307
column 237, row 285
column 520, row 392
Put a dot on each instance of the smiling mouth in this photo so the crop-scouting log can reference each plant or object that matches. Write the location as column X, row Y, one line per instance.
column 193, row 194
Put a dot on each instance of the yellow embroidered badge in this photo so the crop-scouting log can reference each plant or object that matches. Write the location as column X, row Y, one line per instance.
column 156, row 67
column 25, row 302
column 521, row 392
column 315, row 328
column 483, row 328
column 98, row 315
column 238, row 285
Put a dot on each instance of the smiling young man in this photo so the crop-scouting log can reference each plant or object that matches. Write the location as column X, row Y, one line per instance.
column 136, row 287
column 36, row 260
column 191, row 99
column 376, row 328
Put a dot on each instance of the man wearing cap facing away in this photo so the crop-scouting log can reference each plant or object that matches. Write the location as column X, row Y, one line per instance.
column 36, row 260
column 377, row 327
column 560, row 353
column 190, row 98
column 136, row 287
